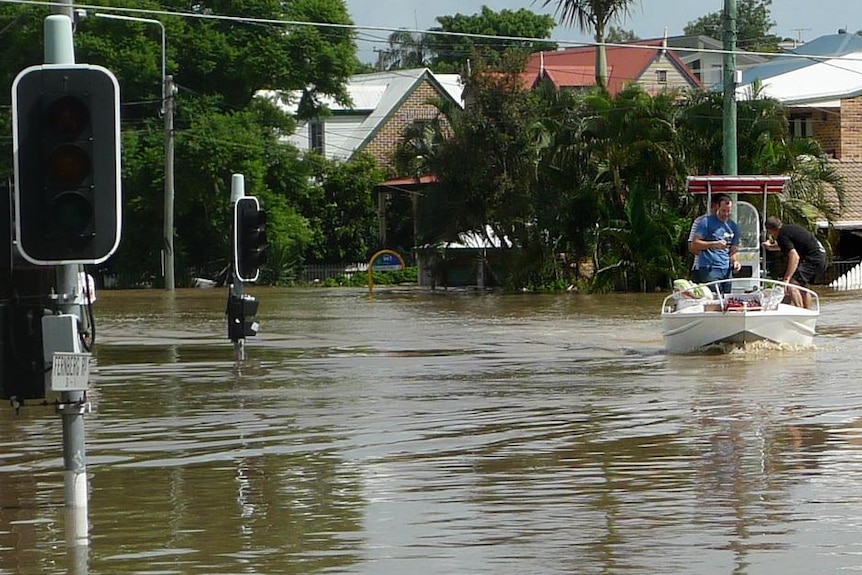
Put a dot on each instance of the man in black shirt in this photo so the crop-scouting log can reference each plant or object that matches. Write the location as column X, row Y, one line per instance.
column 806, row 258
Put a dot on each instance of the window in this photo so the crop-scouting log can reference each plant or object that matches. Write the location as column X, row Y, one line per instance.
column 661, row 76
column 419, row 128
column 316, row 139
column 801, row 126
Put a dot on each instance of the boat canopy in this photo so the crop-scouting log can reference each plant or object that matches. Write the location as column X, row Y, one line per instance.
column 736, row 184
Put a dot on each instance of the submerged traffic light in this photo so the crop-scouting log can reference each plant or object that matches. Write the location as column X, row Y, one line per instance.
column 66, row 146
column 240, row 316
column 249, row 238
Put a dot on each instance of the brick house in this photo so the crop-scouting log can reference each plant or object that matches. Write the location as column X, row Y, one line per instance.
column 383, row 105
column 820, row 85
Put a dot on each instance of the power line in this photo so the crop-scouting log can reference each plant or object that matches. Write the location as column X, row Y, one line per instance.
column 357, row 27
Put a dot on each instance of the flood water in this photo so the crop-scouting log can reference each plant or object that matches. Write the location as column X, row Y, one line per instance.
column 443, row 433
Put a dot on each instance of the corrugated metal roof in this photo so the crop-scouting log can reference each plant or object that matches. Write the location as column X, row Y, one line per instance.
column 806, row 76
column 819, row 81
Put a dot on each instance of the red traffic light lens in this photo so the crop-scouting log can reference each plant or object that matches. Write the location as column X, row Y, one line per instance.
column 68, row 116
column 68, row 166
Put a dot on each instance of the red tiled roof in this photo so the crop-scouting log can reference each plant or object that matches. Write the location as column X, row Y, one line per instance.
column 572, row 76
column 574, row 66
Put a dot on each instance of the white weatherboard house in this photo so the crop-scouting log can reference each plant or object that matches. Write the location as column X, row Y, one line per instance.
column 383, row 106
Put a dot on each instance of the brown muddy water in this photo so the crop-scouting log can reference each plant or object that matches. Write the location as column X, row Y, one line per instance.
column 443, row 433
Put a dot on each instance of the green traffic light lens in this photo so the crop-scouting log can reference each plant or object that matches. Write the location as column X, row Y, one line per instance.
column 72, row 213
column 68, row 116
column 68, row 166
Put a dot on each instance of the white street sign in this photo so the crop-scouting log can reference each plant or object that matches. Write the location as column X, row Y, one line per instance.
column 70, row 371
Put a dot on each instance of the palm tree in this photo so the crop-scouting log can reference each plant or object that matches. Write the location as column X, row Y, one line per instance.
column 406, row 50
column 595, row 16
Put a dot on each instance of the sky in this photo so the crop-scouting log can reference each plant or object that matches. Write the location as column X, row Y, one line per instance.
column 798, row 19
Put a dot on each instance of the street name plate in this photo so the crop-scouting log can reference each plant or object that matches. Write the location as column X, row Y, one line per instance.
column 70, row 371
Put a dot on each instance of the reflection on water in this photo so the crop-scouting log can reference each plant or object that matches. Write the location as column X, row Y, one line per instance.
column 442, row 433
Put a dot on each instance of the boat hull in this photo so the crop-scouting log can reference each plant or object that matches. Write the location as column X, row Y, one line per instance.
column 746, row 310
column 686, row 332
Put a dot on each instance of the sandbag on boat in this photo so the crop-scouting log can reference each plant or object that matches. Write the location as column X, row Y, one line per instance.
column 689, row 296
column 687, row 289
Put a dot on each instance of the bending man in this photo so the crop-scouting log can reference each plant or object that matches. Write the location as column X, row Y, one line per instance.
column 806, row 257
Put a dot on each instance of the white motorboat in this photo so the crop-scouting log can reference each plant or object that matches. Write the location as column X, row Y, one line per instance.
column 753, row 309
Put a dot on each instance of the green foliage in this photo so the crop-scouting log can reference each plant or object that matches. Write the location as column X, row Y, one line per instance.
column 451, row 53
column 219, row 65
column 568, row 176
column 471, row 37
column 406, row 50
column 342, row 210
column 565, row 176
column 408, row 275
column 617, row 35
column 753, row 23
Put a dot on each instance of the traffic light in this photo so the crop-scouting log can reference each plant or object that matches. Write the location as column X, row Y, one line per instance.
column 240, row 316
column 66, row 146
column 249, row 238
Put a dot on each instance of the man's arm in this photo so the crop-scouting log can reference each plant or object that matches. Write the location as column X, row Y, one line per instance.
column 701, row 244
column 734, row 257
column 691, row 233
column 792, row 264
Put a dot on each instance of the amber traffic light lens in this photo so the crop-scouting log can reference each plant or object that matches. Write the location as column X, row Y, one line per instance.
column 68, row 166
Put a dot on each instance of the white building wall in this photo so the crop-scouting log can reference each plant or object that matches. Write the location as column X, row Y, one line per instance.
column 339, row 141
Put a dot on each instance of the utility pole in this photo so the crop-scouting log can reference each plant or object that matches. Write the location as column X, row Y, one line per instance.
column 167, row 111
column 729, row 127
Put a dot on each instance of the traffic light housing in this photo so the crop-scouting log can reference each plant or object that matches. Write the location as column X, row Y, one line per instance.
column 249, row 239
column 66, row 146
column 240, row 316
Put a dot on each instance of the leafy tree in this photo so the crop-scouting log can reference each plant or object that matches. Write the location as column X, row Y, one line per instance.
column 451, row 52
column 220, row 128
column 595, row 16
column 342, row 209
column 620, row 36
column 753, row 23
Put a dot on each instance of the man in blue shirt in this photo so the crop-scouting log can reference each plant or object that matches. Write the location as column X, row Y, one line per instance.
column 716, row 240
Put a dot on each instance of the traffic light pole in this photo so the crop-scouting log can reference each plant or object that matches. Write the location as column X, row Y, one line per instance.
column 237, row 191
column 59, row 49
column 168, row 98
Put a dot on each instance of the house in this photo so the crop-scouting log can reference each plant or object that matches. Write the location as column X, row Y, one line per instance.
column 648, row 62
column 383, row 105
column 704, row 56
column 820, row 85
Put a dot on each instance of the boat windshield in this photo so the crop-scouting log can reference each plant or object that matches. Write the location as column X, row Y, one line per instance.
column 749, row 225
